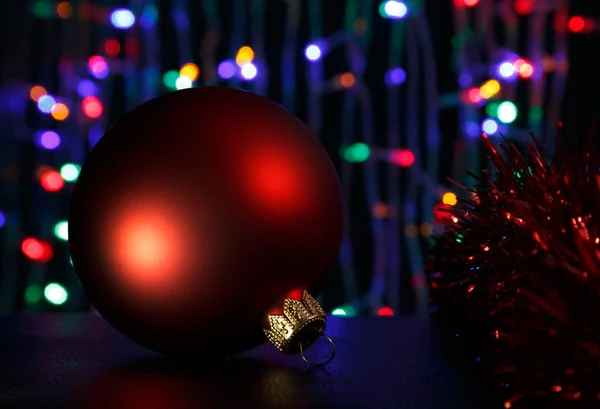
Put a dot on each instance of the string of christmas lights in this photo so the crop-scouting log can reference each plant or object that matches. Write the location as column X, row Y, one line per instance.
column 72, row 117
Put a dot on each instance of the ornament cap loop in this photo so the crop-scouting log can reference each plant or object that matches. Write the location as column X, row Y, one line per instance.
column 302, row 323
column 327, row 361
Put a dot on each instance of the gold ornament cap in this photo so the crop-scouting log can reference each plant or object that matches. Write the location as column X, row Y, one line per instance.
column 302, row 323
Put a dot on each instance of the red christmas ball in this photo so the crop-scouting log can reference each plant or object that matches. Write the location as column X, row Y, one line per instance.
column 196, row 213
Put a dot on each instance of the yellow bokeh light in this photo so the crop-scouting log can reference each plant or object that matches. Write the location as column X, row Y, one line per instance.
column 60, row 112
column 37, row 92
column 64, row 9
column 190, row 70
column 347, row 80
column 489, row 89
column 244, row 55
column 449, row 199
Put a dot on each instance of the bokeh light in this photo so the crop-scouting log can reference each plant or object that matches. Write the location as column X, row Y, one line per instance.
column 357, row 152
column 2, row 219
column 576, row 24
column 112, row 48
column 92, row 107
column 86, row 87
column 37, row 250
column 393, row 9
column 33, row 294
column 190, row 70
column 524, row 68
column 170, row 79
column 48, row 140
column 60, row 112
column 122, row 18
column 347, row 80
column 245, row 55
column 313, row 52
column 36, row 92
column 506, row 69
column 385, row 311
column 489, row 89
column 52, row 181
column 64, row 9
column 226, row 69
column 98, row 66
column 56, row 294
column 507, row 112
column 46, row 104
column 449, row 199
column 183, row 83
column 249, row 71
column 70, row 172
column 402, row 157
column 395, row 76
column 61, row 230
column 489, row 126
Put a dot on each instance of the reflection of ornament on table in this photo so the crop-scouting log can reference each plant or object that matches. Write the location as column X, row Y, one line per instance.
column 196, row 213
column 516, row 278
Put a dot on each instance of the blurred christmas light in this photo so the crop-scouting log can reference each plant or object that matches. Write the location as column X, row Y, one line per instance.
column 491, row 109
column 183, row 83
column 474, row 96
column 402, row 157
column 449, row 199
column 466, row 3
column 347, row 80
column 313, row 52
column 523, row 68
column 170, row 79
column 440, row 214
column 149, row 16
column 64, row 9
column 122, row 18
column 395, row 76
column 112, row 48
column 380, row 210
column 506, row 69
column 60, row 112
column 357, row 152
column 49, row 140
column 576, row 24
column 523, row 7
column 52, row 181
column 385, row 312
column 85, row 88
column 33, row 294
column 37, row 92
column 92, row 107
column 56, row 294
column 249, row 71
column 190, row 70
column 42, row 9
column 70, row 172
column 338, row 312
column 61, row 230
column 489, row 89
column 2, row 219
column 393, row 9
column 46, row 104
column 226, row 70
column 489, row 126
column 244, row 56
column 98, row 66
column 507, row 112
column 37, row 250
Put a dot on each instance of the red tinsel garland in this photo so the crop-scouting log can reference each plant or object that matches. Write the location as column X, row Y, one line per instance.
column 516, row 275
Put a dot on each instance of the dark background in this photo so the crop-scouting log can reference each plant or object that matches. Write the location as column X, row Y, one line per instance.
column 46, row 41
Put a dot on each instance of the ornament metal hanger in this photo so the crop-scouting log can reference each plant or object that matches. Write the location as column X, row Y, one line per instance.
column 302, row 323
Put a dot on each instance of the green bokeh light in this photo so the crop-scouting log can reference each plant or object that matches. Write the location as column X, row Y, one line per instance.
column 357, row 152
column 56, row 294
column 70, row 172
column 170, row 79
column 61, row 230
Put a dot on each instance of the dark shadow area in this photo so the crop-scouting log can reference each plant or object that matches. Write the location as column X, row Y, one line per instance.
column 235, row 383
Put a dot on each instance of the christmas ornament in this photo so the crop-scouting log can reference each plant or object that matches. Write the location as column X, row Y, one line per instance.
column 515, row 276
column 197, row 215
